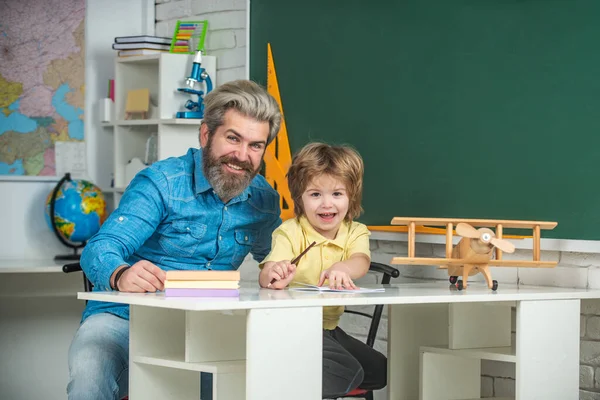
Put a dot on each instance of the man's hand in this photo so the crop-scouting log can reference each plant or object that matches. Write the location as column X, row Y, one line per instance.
column 282, row 272
column 339, row 277
column 143, row 276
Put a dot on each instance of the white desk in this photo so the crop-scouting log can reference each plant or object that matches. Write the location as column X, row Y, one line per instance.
column 39, row 314
column 37, row 278
column 267, row 344
column 30, row 266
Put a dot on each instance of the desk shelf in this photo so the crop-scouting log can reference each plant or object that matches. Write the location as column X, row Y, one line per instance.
column 177, row 362
column 505, row 354
column 493, row 398
column 450, row 364
column 172, row 347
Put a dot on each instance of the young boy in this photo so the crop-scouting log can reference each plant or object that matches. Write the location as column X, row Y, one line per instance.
column 326, row 186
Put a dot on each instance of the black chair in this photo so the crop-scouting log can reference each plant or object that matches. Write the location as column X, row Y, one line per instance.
column 388, row 273
column 74, row 267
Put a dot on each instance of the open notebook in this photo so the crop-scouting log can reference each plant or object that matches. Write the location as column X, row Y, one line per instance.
column 313, row 288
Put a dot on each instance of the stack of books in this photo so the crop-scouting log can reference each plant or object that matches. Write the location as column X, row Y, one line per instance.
column 141, row 45
column 202, row 284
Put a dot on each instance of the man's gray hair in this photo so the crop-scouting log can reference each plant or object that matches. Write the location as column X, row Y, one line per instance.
column 246, row 97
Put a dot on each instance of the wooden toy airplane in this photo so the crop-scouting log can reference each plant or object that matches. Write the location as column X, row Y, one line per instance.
column 474, row 253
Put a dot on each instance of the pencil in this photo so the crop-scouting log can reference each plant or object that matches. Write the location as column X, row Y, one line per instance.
column 295, row 260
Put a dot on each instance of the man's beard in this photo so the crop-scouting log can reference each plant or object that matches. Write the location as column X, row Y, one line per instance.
column 227, row 185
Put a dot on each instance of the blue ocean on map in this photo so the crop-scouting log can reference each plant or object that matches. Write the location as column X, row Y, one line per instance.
column 21, row 123
column 15, row 168
column 16, row 121
column 68, row 112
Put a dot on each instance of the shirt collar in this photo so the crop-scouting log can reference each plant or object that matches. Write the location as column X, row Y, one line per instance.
column 203, row 185
column 314, row 236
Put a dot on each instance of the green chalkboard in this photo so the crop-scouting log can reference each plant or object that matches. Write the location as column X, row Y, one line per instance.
column 460, row 108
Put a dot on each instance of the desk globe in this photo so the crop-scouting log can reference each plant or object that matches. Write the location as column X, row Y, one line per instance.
column 75, row 210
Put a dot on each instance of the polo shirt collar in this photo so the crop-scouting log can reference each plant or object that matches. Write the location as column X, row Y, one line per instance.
column 314, row 236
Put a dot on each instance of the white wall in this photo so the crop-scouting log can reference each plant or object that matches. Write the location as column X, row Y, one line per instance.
column 24, row 233
column 226, row 37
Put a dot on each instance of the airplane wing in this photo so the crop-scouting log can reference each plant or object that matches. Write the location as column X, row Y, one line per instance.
column 491, row 223
column 427, row 261
column 461, row 261
column 519, row 263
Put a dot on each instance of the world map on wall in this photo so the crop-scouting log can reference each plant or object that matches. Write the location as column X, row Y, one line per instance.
column 42, row 61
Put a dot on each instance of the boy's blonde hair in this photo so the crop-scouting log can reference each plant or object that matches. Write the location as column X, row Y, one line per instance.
column 340, row 162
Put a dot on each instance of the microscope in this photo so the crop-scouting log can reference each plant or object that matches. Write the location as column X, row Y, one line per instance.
column 197, row 76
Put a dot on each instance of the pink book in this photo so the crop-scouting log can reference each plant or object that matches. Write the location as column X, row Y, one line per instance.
column 202, row 292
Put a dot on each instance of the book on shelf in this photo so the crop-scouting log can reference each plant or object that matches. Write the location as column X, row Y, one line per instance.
column 140, row 45
column 143, row 38
column 203, row 275
column 139, row 52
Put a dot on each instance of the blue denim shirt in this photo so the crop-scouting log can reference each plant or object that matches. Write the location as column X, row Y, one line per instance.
column 170, row 216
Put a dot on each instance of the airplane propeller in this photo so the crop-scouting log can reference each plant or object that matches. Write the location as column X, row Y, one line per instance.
column 466, row 230
column 485, row 235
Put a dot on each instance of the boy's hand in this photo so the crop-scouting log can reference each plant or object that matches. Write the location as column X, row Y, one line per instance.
column 339, row 277
column 282, row 272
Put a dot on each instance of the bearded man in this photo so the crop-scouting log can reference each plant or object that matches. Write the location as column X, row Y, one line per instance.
column 205, row 210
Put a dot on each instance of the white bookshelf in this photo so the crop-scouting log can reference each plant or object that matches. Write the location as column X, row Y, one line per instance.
column 162, row 74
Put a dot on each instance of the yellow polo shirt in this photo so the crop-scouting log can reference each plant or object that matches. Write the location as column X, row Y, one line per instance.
column 295, row 235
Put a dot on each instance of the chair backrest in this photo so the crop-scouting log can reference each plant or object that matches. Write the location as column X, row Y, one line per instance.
column 74, row 267
column 388, row 273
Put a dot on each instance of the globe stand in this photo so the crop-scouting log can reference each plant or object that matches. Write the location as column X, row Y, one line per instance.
column 70, row 257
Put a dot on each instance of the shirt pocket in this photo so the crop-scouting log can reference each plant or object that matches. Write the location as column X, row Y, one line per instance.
column 182, row 238
column 244, row 240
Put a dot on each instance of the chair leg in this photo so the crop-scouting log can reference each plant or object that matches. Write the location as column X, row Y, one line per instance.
column 369, row 395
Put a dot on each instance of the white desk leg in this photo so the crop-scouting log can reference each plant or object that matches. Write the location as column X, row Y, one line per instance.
column 548, row 350
column 284, row 354
column 409, row 327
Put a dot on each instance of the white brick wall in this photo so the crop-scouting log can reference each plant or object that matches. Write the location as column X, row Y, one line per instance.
column 226, row 36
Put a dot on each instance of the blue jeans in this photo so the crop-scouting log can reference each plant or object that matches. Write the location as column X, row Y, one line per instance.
column 99, row 360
